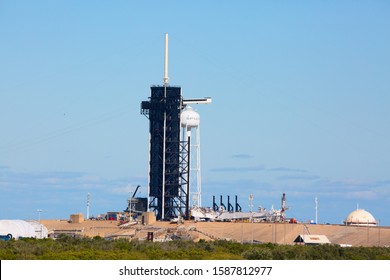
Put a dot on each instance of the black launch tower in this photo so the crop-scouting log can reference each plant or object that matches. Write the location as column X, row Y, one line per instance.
column 168, row 168
column 169, row 156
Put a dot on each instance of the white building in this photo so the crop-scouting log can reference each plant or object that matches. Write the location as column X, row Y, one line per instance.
column 19, row 229
column 360, row 217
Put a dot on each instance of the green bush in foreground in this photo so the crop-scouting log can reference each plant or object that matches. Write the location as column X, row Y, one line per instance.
column 68, row 248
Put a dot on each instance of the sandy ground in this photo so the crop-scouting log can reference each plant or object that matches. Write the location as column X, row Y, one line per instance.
column 280, row 233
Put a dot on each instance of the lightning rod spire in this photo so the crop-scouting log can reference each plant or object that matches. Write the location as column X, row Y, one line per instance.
column 166, row 79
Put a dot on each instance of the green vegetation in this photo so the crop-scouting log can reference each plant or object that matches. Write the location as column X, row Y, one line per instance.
column 68, row 248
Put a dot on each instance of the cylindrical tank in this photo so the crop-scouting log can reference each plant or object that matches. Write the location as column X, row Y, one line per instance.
column 189, row 118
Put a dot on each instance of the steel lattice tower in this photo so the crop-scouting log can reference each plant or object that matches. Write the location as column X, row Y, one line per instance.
column 169, row 157
column 168, row 180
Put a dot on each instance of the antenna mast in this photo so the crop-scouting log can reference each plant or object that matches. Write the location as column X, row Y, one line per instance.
column 316, row 202
column 88, row 204
column 166, row 79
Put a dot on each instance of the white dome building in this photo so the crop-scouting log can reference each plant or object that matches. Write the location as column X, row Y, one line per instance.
column 360, row 217
column 19, row 229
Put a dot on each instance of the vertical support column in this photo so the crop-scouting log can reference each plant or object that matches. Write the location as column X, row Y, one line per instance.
column 163, row 157
column 188, row 180
column 198, row 169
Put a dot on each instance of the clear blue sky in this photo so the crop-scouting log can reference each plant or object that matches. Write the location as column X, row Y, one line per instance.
column 301, row 98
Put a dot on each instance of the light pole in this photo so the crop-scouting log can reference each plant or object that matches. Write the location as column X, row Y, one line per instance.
column 316, row 202
column 39, row 220
column 88, row 204
column 39, row 215
column 379, row 233
column 130, row 204
column 242, row 228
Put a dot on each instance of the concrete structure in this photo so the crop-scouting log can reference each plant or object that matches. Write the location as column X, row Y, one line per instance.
column 77, row 218
column 278, row 233
column 148, row 218
column 360, row 217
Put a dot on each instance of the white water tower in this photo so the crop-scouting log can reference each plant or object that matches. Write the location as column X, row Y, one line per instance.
column 190, row 121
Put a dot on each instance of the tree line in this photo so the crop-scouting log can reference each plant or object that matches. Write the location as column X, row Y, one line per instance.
column 69, row 248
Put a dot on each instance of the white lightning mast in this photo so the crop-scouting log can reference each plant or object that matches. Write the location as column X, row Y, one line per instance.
column 166, row 79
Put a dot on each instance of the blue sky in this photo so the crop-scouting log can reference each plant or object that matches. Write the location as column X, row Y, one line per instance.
column 300, row 89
